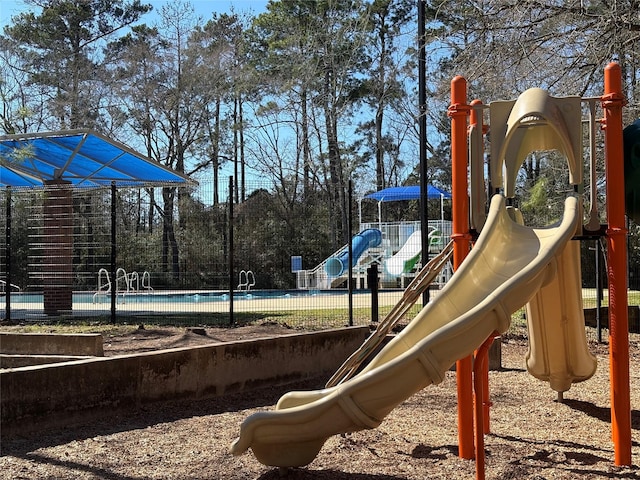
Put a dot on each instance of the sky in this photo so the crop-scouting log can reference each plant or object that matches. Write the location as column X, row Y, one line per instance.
column 205, row 8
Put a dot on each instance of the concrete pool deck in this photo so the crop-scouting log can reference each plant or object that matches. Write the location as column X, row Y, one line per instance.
column 203, row 304
column 137, row 304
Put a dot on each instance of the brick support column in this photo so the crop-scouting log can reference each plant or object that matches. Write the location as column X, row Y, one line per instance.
column 58, row 247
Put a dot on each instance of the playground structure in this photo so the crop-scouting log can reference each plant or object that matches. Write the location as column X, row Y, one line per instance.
column 510, row 265
column 395, row 246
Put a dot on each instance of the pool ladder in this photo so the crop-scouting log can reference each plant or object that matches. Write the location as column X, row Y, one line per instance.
column 3, row 287
column 246, row 280
column 131, row 283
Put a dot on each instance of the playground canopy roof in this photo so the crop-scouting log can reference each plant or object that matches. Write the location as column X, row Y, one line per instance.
column 85, row 158
column 394, row 194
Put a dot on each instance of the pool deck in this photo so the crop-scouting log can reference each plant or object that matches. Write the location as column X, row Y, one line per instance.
column 200, row 304
column 208, row 304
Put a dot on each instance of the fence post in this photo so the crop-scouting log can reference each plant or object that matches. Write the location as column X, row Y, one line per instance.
column 422, row 136
column 114, row 282
column 372, row 282
column 231, row 251
column 350, row 256
column 7, row 252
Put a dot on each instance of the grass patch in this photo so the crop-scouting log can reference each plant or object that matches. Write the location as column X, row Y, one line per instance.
column 297, row 319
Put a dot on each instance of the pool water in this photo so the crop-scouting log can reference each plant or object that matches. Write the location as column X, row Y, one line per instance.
column 178, row 297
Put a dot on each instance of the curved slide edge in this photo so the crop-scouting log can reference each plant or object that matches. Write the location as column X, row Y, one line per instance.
column 508, row 265
column 407, row 257
column 360, row 243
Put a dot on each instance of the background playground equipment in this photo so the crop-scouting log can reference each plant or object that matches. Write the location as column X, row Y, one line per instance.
column 409, row 255
column 126, row 283
column 510, row 265
column 336, row 265
column 396, row 236
column 331, row 273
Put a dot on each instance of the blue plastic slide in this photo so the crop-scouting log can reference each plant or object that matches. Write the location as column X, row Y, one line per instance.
column 360, row 243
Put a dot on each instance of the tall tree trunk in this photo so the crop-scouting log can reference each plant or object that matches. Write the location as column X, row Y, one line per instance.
column 214, row 138
column 306, row 149
column 240, row 129
column 152, row 208
column 380, row 180
column 335, row 162
column 380, row 176
column 169, row 243
column 138, row 220
column 236, row 189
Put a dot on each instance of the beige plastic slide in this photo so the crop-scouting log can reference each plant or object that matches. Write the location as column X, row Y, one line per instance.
column 505, row 269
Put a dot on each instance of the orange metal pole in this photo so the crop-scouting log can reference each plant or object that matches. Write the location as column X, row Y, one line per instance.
column 483, row 355
column 480, row 386
column 612, row 103
column 459, row 113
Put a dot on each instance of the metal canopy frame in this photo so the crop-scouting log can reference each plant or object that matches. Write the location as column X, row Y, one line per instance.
column 83, row 157
column 74, row 159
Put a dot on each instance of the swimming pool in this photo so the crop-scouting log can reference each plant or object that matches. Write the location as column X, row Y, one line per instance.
column 31, row 304
column 178, row 297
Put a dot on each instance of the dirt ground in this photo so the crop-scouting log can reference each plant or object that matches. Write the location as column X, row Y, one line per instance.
column 149, row 338
column 532, row 435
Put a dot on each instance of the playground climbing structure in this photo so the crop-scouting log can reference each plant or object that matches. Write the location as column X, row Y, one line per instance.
column 510, row 265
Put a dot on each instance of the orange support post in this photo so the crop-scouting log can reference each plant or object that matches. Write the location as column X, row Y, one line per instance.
column 481, row 386
column 459, row 113
column 612, row 103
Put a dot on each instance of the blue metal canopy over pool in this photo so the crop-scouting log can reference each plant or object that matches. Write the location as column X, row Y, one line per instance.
column 395, row 194
column 85, row 158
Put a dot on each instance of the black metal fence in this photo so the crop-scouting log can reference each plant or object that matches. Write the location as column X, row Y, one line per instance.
column 171, row 256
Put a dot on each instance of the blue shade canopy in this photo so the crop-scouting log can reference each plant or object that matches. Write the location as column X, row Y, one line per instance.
column 85, row 158
column 394, row 194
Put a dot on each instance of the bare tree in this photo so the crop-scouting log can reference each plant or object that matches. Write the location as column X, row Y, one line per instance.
column 505, row 47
